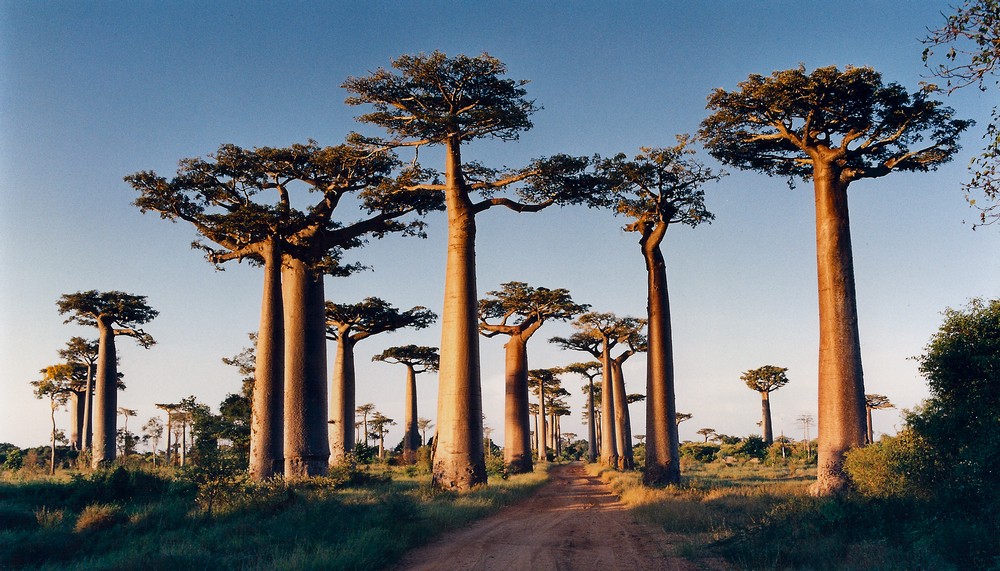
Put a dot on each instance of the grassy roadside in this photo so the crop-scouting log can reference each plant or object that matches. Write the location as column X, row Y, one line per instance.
column 760, row 517
column 133, row 519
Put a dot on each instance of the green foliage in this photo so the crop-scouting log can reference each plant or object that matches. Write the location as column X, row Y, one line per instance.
column 114, row 307
column 751, row 447
column 770, row 124
column 765, row 379
column 13, row 460
column 699, row 451
column 891, row 467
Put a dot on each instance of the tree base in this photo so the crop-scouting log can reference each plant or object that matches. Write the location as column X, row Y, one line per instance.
column 305, row 467
column 461, row 479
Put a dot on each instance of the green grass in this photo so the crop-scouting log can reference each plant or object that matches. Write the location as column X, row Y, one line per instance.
column 137, row 520
column 760, row 517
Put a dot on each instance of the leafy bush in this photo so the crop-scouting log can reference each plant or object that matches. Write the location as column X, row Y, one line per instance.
column 890, row 467
column 699, row 451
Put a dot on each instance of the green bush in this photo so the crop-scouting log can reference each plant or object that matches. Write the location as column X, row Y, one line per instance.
column 699, row 451
column 891, row 467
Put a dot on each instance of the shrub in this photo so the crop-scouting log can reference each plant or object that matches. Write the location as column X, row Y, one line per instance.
column 96, row 517
column 47, row 518
column 701, row 452
column 890, row 468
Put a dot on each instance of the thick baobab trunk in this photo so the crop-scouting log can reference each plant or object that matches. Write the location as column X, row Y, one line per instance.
column 591, row 423
column 341, row 427
column 662, row 444
column 77, row 406
column 543, row 424
column 307, row 445
column 517, row 423
column 88, row 410
column 623, row 423
column 765, row 421
column 411, row 433
column 609, row 444
column 841, row 382
column 105, row 397
column 267, row 414
column 459, row 461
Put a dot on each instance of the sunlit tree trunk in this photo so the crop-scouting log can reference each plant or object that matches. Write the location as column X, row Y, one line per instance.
column 517, row 427
column 662, row 444
column 609, row 444
column 77, row 406
column 341, row 427
column 841, row 382
column 307, row 444
column 88, row 410
column 765, row 421
column 543, row 424
column 267, row 414
column 623, row 428
column 591, row 423
column 105, row 397
column 459, row 462
column 411, row 434
column 170, row 428
column 868, row 425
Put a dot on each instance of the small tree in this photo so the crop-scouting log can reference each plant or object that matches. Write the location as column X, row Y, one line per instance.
column 764, row 380
column 54, row 385
column 115, row 314
column 365, row 411
column 152, row 432
column 590, row 370
column 423, row 424
column 517, row 310
column 680, row 417
column 127, row 439
column 84, row 353
column 833, row 127
column 706, row 432
column 348, row 324
column 874, row 402
column 416, row 359
column 380, row 427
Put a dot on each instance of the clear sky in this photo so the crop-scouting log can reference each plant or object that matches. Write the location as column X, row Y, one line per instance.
column 93, row 91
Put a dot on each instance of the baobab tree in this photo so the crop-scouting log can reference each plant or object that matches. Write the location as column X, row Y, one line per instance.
column 543, row 383
column 597, row 334
column 127, row 436
column 834, row 127
column 658, row 188
column 416, row 359
column 635, row 342
column 115, row 314
column 764, row 380
column 380, row 424
column 680, row 417
column 590, row 370
column 83, row 352
column 517, row 310
column 423, row 424
column 971, row 35
column 220, row 197
column 54, row 385
column 706, row 432
column 434, row 100
column 347, row 324
column 365, row 411
column 874, row 402
column 152, row 432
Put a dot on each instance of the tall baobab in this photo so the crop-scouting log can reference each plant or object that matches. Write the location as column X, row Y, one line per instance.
column 833, row 127
column 517, row 310
column 126, row 413
column 220, row 197
column 590, row 370
column 635, row 342
column 874, row 402
column 55, row 385
column 597, row 334
column 365, row 410
column 543, row 383
column 659, row 188
column 347, row 324
column 115, row 314
column 416, row 359
column 764, row 380
column 434, row 100
column 379, row 424
column 153, row 432
column 83, row 352
column 706, row 432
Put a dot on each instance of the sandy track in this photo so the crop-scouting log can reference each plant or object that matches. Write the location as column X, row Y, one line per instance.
column 573, row 523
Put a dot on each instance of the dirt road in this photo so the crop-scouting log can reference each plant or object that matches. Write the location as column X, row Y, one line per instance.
column 574, row 523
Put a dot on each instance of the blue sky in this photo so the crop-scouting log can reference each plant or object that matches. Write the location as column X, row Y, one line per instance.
column 92, row 91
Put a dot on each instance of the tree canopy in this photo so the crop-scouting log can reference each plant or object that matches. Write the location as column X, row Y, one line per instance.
column 518, row 307
column 414, row 355
column 765, row 379
column 115, row 307
column 372, row 316
column 783, row 124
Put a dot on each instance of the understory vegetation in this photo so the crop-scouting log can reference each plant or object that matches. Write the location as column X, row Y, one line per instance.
column 362, row 518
